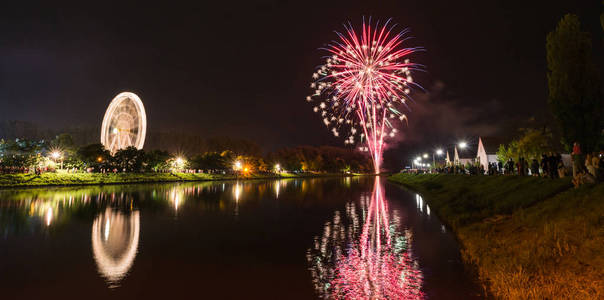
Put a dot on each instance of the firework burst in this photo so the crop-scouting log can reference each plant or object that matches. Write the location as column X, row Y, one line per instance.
column 363, row 87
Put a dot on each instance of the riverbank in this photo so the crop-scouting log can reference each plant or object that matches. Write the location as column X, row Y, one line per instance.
column 529, row 237
column 71, row 179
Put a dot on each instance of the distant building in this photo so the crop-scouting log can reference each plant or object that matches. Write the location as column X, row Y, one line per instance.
column 487, row 150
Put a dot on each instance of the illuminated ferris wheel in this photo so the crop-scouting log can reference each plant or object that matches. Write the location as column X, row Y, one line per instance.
column 125, row 123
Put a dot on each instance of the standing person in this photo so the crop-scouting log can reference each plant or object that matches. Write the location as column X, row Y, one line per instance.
column 589, row 166
column 499, row 167
column 535, row 167
column 510, row 167
column 552, row 165
column 544, row 165
column 576, row 155
column 595, row 161
column 561, row 169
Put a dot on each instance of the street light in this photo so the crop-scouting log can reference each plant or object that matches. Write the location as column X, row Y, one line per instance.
column 425, row 155
column 439, row 152
column 278, row 168
column 462, row 145
column 57, row 155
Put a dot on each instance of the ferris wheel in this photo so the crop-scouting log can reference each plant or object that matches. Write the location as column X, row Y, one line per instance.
column 125, row 123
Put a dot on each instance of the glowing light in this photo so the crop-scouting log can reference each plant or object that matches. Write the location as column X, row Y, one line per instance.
column 418, row 158
column 237, row 192
column 425, row 155
column 463, row 145
column 278, row 168
column 99, row 159
column 439, row 152
column 55, row 154
column 48, row 216
column 237, row 166
column 365, row 83
column 124, row 123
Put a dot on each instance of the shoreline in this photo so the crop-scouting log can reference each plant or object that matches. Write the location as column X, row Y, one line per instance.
column 16, row 181
column 527, row 237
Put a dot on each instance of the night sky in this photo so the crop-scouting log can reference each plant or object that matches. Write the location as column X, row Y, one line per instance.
column 243, row 69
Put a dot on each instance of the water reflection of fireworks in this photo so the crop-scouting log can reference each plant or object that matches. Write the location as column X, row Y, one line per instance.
column 363, row 255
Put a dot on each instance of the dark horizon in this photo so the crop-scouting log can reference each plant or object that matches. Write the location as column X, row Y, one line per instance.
column 243, row 70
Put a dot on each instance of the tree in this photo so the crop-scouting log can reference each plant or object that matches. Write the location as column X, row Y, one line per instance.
column 94, row 156
column 157, row 160
column 532, row 143
column 64, row 144
column 210, row 161
column 129, row 159
column 21, row 153
column 504, row 153
column 575, row 92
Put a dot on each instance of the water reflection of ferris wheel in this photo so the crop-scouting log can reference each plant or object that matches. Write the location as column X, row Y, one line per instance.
column 125, row 123
column 115, row 237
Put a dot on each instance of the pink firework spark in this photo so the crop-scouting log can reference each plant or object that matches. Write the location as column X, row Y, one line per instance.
column 365, row 83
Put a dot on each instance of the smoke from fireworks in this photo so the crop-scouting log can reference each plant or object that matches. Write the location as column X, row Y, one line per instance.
column 364, row 84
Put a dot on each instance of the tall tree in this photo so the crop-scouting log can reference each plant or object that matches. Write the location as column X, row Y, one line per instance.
column 575, row 92
column 129, row 159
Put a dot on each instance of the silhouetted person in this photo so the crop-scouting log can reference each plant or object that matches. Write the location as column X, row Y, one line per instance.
column 535, row 167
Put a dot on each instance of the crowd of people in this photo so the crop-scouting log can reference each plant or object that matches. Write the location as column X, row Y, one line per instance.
column 587, row 168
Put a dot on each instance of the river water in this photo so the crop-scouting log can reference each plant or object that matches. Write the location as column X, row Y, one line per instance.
column 349, row 238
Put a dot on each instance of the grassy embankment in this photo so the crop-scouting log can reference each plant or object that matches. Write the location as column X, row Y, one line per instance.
column 529, row 238
column 54, row 179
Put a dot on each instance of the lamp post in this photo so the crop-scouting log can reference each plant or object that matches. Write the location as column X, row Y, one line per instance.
column 439, row 152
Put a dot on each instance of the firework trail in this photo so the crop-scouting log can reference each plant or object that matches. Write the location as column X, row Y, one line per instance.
column 364, row 256
column 364, row 85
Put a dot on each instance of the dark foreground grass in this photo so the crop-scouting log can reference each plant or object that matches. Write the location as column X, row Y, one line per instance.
column 54, row 179
column 529, row 238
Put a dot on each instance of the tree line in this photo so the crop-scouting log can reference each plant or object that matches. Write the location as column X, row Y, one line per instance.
column 23, row 155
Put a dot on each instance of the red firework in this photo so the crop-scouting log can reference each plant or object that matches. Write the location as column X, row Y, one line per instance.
column 365, row 83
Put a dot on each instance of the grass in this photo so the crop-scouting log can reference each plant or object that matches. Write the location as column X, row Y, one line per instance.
column 529, row 238
column 62, row 179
